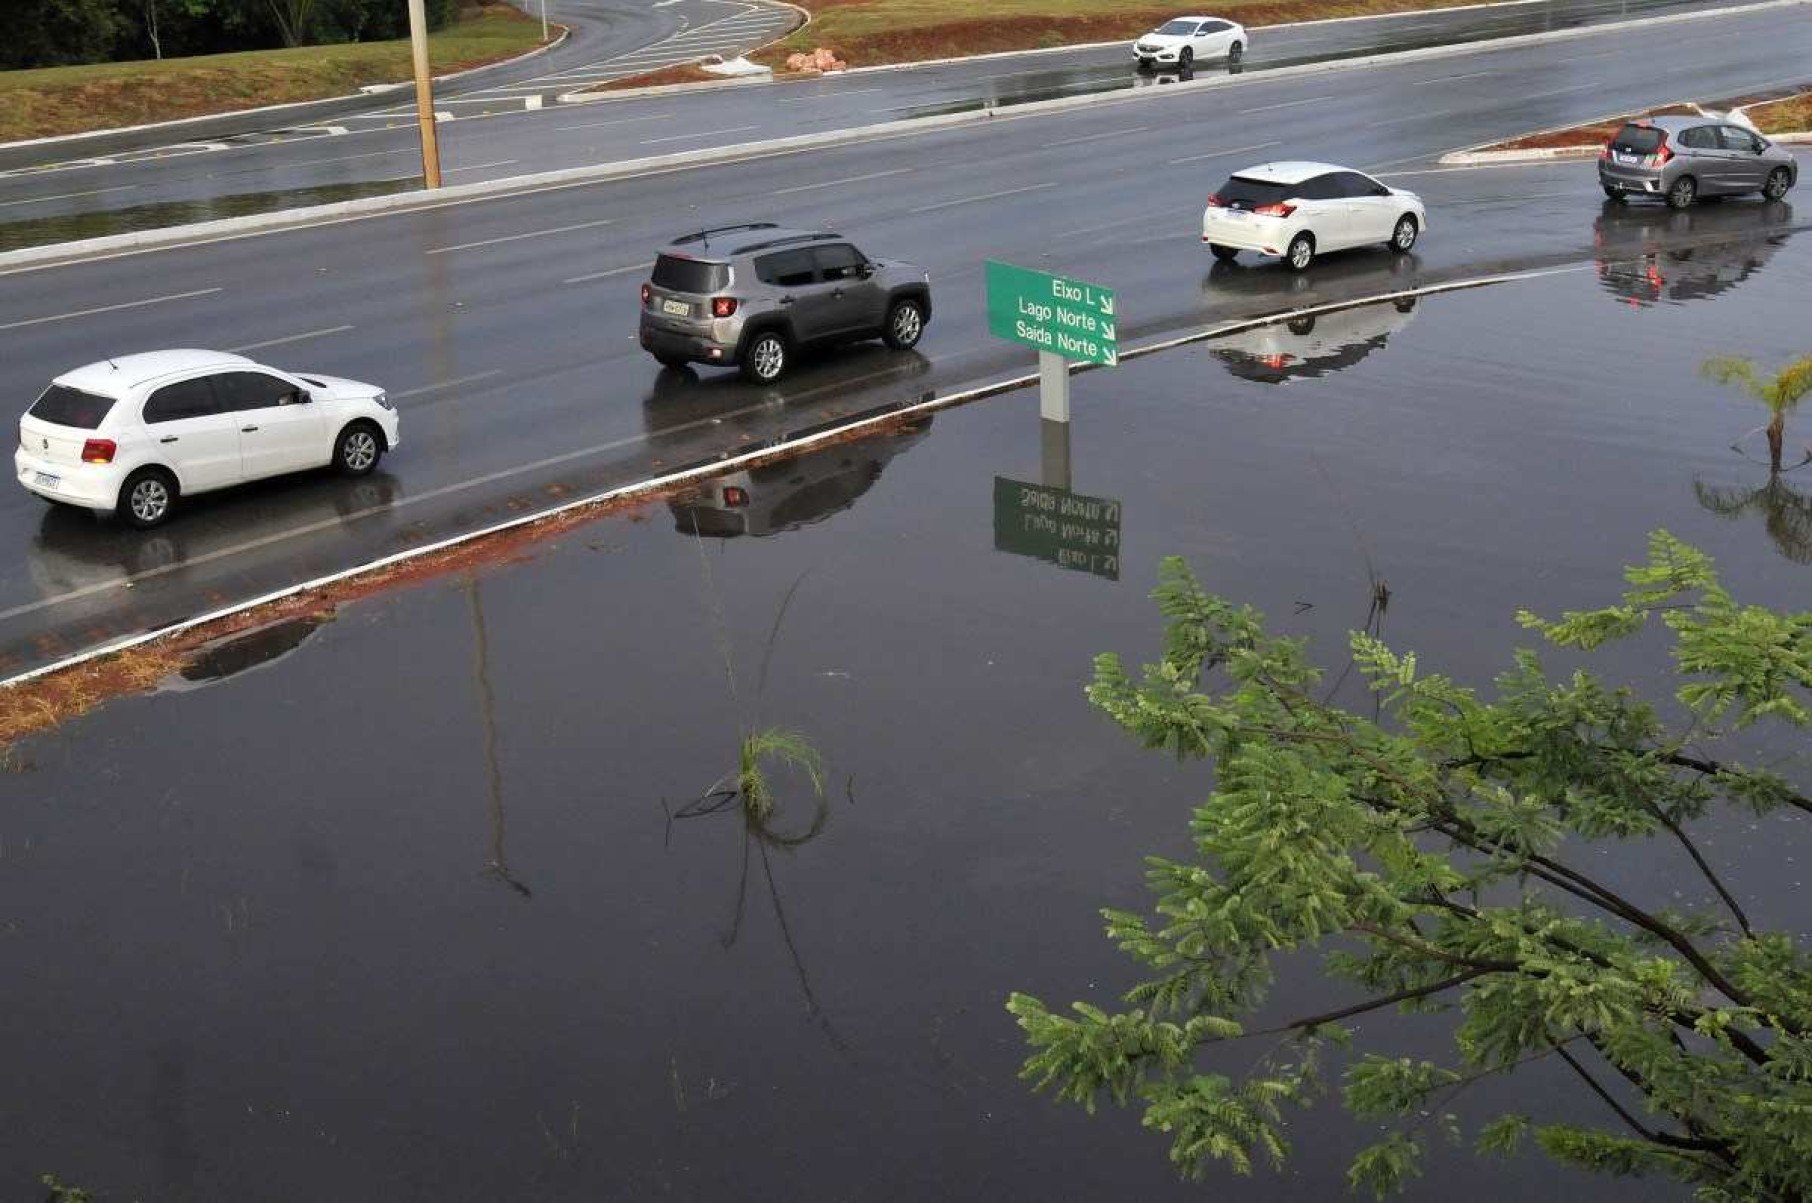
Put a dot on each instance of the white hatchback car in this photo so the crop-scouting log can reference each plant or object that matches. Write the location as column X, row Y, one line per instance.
column 130, row 435
column 1299, row 210
column 1185, row 41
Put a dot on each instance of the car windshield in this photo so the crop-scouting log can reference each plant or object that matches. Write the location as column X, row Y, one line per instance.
column 1242, row 193
column 1637, row 140
column 66, row 406
column 1177, row 29
column 689, row 275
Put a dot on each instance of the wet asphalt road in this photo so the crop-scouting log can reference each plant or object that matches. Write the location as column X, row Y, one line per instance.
column 505, row 328
column 193, row 184
column 391, row 906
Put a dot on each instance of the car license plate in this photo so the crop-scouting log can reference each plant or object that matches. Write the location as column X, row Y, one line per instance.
column 46, row 480
column 1237, row 214
column 1626, row 158
column 677, row 308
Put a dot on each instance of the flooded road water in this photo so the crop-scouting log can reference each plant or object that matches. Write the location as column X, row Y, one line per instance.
column 430, row 898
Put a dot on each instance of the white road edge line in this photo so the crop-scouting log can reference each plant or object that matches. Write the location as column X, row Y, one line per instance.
column 453, row 383
column 614, row 271
column 685, row 476
column 466, row 246
column 709, row 133
column 1113, row 133
column 1287, row 104
column 290, row 338
column 58, row 317
column 37, row 200
column 837, row 183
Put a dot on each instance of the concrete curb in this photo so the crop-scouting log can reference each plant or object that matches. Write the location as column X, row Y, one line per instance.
column 235, row 227
column 272, row 109
column 1481, row 154
column 872, row 418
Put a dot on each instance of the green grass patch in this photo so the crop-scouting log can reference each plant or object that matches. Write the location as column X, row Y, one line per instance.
column 71, row 100
column 867, row 32
column 1790, row 116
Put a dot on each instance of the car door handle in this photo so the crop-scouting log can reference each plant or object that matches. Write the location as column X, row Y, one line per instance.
column 786, row 300
column 168, row 438
column 247, row 429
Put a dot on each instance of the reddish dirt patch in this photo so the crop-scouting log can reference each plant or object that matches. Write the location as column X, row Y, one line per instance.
column 683, row 73
column 1596, row 134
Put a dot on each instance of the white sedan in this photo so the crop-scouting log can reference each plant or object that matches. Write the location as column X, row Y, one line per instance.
column 1185, row 41
column 131, row 435
column 1299, row 210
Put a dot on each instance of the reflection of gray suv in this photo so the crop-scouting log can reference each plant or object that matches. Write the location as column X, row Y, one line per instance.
column 753, row 294
column 1683, row 158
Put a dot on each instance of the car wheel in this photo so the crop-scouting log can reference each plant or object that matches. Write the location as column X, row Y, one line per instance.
column 764, row 359
column 1611, row 193
column 146, row 497
column 1301, row 325
column 357, row 451
column 1683, row 193
column 1404, row 235
column 670, row 361
column 1185, row 58
column 1777, row 185
column 1226, row 254
column 1404, row 304
column 905, row 322
column 1300, row 253
column 1235, row 50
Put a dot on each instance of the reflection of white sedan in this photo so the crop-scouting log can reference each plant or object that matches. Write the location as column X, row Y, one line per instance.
column 1311, row 344
column 1299, row 210
column 131, row 435
column 1182, row 41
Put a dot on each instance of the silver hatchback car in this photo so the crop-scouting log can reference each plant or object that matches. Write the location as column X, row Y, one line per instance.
column 1684, row 158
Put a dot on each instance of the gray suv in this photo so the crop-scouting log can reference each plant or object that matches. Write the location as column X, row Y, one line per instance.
column 1684, row 158
column 753, row 294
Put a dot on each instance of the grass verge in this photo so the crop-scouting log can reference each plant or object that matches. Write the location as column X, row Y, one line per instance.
column 70, row 100
column 1780, row 115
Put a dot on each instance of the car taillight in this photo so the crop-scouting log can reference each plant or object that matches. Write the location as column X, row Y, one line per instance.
column 647, row 294
column 1278, row 210
column 1663, row 152
column 723, row 306
column 98, row 451
column 1215, row 201
column 1604, row 153
column 1277, row 362
column 736, row 497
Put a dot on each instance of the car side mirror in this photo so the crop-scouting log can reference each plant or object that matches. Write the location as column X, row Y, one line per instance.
column 301, row 397
column 1381, row 190
column 866, row 269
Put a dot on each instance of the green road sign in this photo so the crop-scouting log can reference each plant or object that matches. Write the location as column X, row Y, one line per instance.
column 1065, row 317
column 1057, row 526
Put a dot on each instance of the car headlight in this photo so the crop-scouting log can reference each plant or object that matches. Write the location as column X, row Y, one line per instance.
column 383, row 399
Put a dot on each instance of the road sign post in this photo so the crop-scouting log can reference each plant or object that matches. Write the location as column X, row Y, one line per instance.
column 1067, row 320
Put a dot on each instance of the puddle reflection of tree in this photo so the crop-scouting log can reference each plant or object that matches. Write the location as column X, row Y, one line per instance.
column 749, row 794
column 497, row 866
column 1786, row 512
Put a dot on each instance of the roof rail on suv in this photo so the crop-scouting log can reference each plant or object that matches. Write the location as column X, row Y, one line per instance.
column 705, row 235
column 789, row 240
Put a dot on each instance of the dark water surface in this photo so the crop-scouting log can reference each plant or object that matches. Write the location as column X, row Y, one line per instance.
column 395, row 906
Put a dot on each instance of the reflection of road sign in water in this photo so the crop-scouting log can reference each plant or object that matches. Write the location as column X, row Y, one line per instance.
column 1057, row 526
column 1071, row 318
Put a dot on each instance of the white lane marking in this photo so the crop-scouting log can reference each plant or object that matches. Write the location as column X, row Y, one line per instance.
column 614, row 121
column 58, row 317
column 848, row 179
column 826, row 95
column 1163, row 216
column 291, row 338
column 969, row 200
column 1443, row 79
column 710, row 133
column 453, row 383
column 466, row 246
column 482, row 166
column 614, row 271
column 1221, row 154
column 1483, row 167
column 38, row 200
column 1287, row 104
column 1117, row 133
column 372, row 154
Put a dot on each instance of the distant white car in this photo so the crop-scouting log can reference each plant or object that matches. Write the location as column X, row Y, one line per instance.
column 1184, row 41
column 1298, row 210
column 131, row 435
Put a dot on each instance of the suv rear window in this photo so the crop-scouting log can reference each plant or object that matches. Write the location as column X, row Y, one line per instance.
column 71, row 407
column 689, row 275
column 1637, row 140
column 1241, row 193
